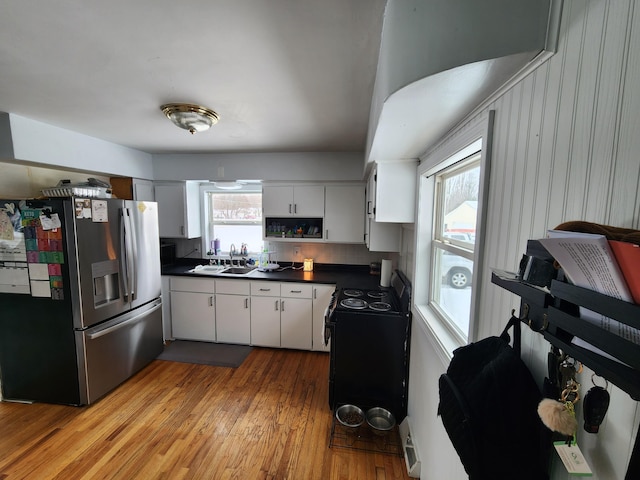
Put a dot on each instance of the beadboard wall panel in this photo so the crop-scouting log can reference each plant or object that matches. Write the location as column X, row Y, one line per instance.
column 565, row 147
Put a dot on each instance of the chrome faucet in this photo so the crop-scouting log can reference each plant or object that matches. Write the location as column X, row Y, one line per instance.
column 232, row 252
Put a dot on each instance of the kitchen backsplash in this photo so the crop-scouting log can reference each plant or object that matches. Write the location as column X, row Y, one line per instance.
column 284, row 252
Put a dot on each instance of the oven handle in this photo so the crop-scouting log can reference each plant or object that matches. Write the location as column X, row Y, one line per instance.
column 326, row 334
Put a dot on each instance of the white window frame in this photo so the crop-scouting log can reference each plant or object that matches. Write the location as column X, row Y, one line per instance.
column 207, row 188
column 474, row 136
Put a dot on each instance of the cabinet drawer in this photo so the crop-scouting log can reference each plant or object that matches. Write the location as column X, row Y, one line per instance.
column 186, row 284
column 265, row 289
column 233, row 287
column 296, row 290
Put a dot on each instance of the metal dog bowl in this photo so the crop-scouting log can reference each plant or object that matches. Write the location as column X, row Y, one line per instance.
column 380, row 420
column 350, row 415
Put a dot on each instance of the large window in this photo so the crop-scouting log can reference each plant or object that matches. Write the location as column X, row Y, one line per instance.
column 235, row 218
column 449, row 238
column 453, row 242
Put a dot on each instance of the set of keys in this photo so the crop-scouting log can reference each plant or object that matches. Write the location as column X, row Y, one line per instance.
column 595, row 403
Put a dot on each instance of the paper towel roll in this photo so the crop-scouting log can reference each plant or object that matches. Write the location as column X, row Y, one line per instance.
column 385, row 273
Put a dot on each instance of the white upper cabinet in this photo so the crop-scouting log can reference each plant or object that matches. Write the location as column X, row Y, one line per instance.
column 178, row 209
column 379, row 236
column 293, row 200
column 344, row 213
column 392, row 194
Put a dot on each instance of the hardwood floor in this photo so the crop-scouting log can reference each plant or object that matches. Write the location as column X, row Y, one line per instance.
column 267, row 419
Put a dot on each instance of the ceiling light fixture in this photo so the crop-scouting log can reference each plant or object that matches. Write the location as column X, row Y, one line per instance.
column 194, row 118
column 229, row 185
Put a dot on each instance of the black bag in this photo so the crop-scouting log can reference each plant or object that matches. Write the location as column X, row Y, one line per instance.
column 488, row 405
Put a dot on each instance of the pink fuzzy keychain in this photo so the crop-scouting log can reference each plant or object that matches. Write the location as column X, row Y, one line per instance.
column 560, row 415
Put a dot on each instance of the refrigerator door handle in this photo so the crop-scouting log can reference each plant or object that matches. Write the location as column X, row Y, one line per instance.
column 129, row 254
column 123, row 255
column 133, row 250
column 118, row 326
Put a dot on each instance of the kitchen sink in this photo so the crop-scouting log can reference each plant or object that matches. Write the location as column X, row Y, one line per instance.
column 238, row 270
column 222, row 270
column 208, row 269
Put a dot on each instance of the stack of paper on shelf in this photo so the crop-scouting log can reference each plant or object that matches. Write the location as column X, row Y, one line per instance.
column 591, row 261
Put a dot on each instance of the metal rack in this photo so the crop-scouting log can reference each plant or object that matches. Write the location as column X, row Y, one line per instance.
column 365, row 439
column 554, row 313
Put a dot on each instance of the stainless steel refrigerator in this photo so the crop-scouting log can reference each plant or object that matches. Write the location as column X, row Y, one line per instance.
column 80, row 306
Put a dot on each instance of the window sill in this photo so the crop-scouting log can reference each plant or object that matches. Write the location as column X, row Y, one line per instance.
column 442, row 340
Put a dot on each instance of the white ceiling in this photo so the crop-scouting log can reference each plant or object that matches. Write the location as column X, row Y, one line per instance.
column 284, row 75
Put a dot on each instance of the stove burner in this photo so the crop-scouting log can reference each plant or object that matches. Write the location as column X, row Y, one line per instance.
column 377, row 294
column 380, row 306
column 353, row 293
column 355, row 303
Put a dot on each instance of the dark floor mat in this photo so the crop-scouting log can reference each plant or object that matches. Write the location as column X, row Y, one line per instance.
column 205, row 353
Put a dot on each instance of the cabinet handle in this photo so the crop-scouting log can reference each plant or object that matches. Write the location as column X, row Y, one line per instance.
column 276, row 305
column 265, row 289
column 289, row 208
column 211, row 301
column 295, row 291
column 369, row 207
column 327, row 235
column 315, row 293
column 282, row 305
column 182, row 230
column 295, row 208
column 246, row 303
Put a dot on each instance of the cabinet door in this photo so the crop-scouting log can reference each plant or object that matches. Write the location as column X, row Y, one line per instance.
column 395, row 191
column 165, row 285
column 295, row 323
column 293, row 201
column 233, row 319
column 143, row 190
column 308, row 201
column 321, row 297
column 193, row 316
column 178, row 209
column 344, row 213
column 265, row 321
column 277, row 201
column 383, row 237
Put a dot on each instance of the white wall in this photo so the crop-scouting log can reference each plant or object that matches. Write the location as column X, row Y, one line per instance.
column 283, row 166
column 40, row 144
column 565, row 148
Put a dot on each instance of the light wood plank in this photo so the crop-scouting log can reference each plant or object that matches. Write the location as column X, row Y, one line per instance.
column 267, row 419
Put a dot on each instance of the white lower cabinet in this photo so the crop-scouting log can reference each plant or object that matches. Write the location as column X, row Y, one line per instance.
column 281, row 315
column 321, row 297
column 260, row 313
column 296, row 311
column 233, row 312
column 166, row 308
column 265, row 314
column 295, row 323
column 193, row 315
column 265, row 321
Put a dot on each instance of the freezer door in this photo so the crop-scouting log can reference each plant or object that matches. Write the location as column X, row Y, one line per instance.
column 112, row 352
column 95, row 244
column 143, row 249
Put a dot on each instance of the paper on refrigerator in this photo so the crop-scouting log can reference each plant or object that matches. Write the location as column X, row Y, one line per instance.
column 589, row 262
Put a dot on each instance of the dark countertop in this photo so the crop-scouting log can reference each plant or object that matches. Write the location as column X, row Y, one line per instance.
column 349, row 276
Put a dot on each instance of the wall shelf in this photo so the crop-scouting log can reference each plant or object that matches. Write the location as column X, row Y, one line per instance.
column 554, row 313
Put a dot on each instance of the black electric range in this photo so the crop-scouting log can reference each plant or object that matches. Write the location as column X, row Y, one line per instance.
column 370, row 335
